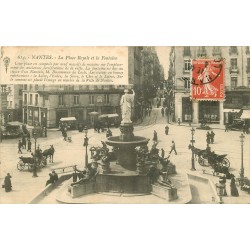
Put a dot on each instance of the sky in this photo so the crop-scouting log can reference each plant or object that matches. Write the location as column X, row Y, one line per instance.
column 163, row 54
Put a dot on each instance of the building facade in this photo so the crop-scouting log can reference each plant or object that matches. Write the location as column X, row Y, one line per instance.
column 14, row 102
column 46, row 104
column 237, row 84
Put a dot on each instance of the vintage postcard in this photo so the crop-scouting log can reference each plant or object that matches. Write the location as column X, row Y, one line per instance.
column 125, row 125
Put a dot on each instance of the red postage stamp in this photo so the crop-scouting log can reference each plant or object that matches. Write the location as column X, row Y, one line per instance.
column 208, row 79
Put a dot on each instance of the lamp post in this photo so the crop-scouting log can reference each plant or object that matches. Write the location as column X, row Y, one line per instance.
column 86, row 142
column 192, row 142
column 35, row 138
column 242, row 164
column 35, row 157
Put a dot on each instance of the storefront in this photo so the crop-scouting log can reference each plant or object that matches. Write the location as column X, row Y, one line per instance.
column 231, row 114
column 209, row 111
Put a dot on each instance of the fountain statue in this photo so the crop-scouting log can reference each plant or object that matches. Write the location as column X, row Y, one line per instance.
column 127, row 105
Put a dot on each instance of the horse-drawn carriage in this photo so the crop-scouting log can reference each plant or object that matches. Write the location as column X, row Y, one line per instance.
column 219, row 163
column 30, row 162
column 39, row 158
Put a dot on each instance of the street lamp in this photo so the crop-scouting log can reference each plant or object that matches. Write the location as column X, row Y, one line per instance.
column 242, row 164
column 35, row 138
column 35, row 157
column 86, row 142
column 192, row 142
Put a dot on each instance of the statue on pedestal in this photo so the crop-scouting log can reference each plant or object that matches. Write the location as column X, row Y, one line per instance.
column 127, row 105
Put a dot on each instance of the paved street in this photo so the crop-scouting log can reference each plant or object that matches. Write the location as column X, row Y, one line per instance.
column 25, row 186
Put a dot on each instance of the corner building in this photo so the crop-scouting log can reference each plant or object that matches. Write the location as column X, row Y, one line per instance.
column 237, row 84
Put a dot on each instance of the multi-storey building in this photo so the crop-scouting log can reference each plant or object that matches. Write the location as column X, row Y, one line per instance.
column 237, row 84
column 14, row 102
column 3, row 103
column 46, row 104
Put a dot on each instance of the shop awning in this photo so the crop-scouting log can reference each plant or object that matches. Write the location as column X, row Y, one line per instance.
column 231, row 110
column 245, row 114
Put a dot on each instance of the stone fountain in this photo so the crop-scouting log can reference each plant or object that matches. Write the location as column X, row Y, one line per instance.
column 126, row 175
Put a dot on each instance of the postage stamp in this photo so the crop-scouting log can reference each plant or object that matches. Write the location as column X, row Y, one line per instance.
column 208, row 79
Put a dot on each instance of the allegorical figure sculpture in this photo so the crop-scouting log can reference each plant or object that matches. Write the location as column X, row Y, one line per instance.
column 127, row 105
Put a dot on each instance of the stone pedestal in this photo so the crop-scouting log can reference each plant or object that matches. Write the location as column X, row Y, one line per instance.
column 126, row 132
column 129, row 184
column 82, row 189
column 105, row 168
column 166, row 193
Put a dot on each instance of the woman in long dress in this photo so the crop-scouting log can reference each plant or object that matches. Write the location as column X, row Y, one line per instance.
column 234, row 190
column 7, row 183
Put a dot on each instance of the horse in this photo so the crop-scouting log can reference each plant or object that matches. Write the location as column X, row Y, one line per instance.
column 49, row 152
column 196, row 151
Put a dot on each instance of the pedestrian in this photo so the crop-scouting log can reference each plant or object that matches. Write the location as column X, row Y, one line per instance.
column 55, row 176
column 244, row 128
column 45, row 131
column 179, row 121
column 162, row 153
column 226, row 127
column 224, row 180
column 108, row 133
column 166, row 111
column 155, row 137
column 166, row 129
column 23, row 142
column 212, row 134
column 149, row 111
column 29, row 146
column 19, row 147
column 162, row 112
column 173, row 148
column 233, row 188
column 208, row 138
column 7, row 183
column 50, row 180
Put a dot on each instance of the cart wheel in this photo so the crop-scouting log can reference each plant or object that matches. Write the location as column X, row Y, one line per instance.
column 20, row 165
column 201, row 161
column 225, row 163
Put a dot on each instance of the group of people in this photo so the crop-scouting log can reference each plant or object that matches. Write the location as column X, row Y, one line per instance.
column 164, row 111
column 222, row 186
column 172, row 148
column 53, row 177
column 210, row 137
column 24, row 144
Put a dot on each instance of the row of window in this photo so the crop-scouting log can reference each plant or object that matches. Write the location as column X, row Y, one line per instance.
column 216, row 50
column 234, row 82
column 233, row 64
column 91, row 99
column 31, row 99
column 35, row 87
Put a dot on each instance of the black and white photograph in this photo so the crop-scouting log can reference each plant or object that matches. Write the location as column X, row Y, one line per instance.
column 125, row 125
